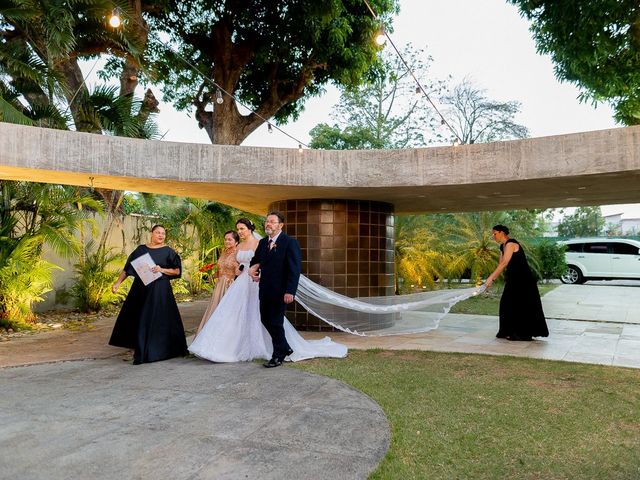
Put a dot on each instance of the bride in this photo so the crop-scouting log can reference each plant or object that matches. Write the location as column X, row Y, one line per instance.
column 234, row 332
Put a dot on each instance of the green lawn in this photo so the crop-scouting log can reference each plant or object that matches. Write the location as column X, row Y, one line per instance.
column 489, row 302
column 461, row 416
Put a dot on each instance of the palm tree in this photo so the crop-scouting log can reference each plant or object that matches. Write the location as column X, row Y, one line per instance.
column 418, row 251
column 472, row 249
column 32, row 215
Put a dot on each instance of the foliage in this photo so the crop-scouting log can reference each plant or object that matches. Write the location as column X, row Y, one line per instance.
column 486, row 417
column 96, row 272
column 551, row 260
column 24, row 279
column 584, row 222
column 474, row 254
column 478, row 119
column 457, row 246
column 418, row 255
column 384, row 111
column 41, row 82
column 270, row 55
column 31, row 215
column 196, row 229
column 595, row 45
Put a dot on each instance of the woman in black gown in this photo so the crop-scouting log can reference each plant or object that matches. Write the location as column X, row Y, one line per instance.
column 521, row 315
column 149, row 321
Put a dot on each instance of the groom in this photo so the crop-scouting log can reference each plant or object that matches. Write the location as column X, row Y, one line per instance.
column 276, row 265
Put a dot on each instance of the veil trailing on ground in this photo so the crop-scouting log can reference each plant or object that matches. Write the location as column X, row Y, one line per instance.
column 378, row 316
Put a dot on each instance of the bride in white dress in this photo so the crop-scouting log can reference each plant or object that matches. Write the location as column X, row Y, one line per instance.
column 234, row 332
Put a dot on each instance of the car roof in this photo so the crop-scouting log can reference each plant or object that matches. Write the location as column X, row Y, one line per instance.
column 600, row 240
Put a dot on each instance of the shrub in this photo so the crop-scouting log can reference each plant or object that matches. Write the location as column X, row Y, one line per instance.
column 95, row 274
column 551, row 260
column 24, row 279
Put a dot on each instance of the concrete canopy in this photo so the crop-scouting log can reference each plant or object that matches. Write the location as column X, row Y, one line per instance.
column 590, row 168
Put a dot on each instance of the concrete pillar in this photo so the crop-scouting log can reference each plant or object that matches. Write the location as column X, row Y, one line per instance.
column 347, row 246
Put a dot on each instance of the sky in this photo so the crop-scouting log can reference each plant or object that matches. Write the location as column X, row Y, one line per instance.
column 487, row 42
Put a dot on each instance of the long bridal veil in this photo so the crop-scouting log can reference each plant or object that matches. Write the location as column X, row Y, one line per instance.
column 377, row 316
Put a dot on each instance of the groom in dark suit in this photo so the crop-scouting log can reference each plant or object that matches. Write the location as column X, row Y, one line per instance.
column 276, row 265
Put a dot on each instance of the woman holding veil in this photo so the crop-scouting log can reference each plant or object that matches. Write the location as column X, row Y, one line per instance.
column 234, row 332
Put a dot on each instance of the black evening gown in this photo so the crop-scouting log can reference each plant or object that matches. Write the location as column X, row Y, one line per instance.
column 521, row 315
column 149, row 321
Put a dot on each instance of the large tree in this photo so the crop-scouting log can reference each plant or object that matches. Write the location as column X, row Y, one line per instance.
column 42, row 45
column 584, row 222
column 271, row 55
column 385, row 111
column 478, row 119
column 594, row 44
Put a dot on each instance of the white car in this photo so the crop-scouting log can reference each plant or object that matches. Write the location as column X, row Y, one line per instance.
column 601, row 259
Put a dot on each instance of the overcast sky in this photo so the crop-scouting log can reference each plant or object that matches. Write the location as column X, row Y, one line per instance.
column 486, row 41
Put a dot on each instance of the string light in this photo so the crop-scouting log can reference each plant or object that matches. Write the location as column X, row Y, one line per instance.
column 269, row 127
column 443, row 120
column 219, row 90
column 114, row 18
column 418, row 92
column 381, row 37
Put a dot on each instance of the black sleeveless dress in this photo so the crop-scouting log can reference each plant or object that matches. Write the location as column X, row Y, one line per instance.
column 149, row 321
column 521, row 315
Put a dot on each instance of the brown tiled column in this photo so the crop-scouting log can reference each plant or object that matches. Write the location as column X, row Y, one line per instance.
column 347, row 246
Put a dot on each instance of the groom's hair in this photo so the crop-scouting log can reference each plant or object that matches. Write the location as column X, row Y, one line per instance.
column 278, row 214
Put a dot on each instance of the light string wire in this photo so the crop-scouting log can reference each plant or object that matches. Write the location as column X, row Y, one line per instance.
column 424, row 92
column 215, row 84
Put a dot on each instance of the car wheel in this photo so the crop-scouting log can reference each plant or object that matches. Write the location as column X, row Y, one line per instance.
column 572, row 275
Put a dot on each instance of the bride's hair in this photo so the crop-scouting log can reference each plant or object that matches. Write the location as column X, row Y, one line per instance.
column 247, row 223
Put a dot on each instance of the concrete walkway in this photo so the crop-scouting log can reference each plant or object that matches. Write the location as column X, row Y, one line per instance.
column 184, row 419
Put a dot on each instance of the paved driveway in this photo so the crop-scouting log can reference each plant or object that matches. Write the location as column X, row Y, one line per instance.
column 602, row 301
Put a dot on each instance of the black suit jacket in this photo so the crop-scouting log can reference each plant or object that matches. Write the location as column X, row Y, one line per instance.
column 279, row 267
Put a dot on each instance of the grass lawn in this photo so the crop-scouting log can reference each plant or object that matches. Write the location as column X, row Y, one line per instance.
column 489, row 302
column 461, row 416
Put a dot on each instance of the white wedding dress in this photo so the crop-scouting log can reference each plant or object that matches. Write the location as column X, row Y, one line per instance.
column 234, row 332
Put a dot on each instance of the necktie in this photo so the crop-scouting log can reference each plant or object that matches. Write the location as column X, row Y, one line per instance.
column 270, row 245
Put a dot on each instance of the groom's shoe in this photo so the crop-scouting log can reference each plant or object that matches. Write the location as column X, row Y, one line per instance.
column 274, row 362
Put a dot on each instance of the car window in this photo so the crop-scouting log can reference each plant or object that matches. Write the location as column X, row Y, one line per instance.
column 596, row 248
column 574, row 247
column 624, row 248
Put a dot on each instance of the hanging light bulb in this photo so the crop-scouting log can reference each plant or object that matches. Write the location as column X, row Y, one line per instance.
column 456, row 142
column 219, row 98
column 270, row 128
column 418, row 91
column 300, row 148
column 381, row 37
column 114, row 19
